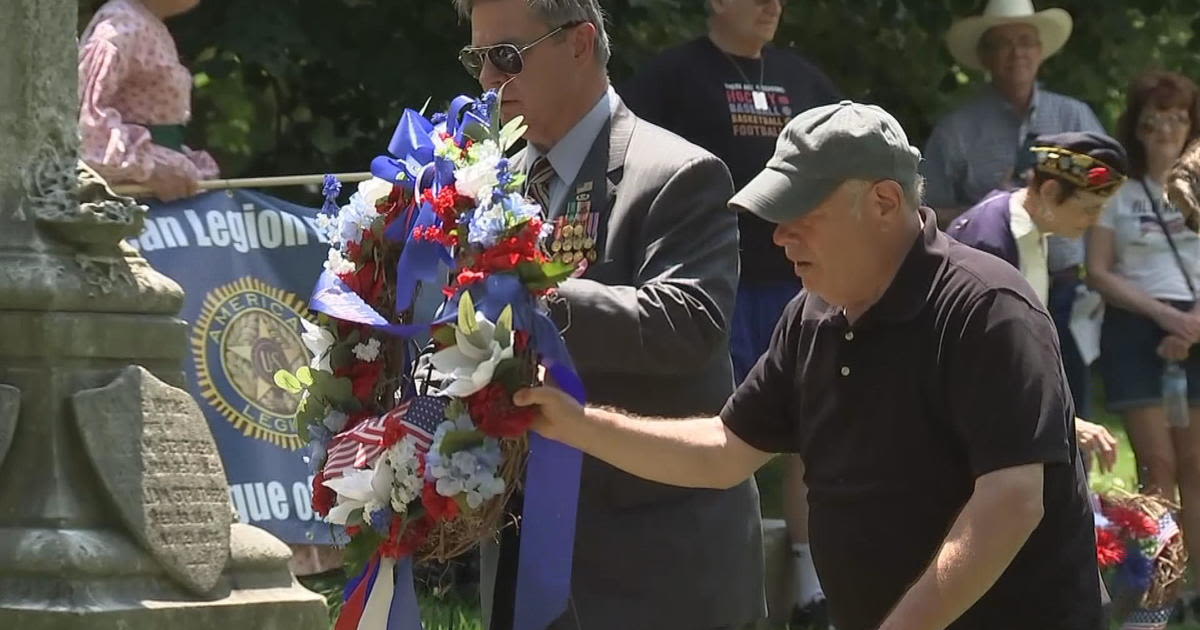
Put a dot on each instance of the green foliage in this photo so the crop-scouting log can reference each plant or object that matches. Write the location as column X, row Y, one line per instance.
column 304, row 86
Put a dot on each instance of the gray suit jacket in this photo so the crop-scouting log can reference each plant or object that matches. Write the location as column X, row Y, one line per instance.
column 648, row 330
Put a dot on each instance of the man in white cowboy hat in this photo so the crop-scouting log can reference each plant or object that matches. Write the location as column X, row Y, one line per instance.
column 984, row 145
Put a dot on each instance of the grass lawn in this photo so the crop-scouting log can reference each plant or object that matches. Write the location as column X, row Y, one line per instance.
column 450, row 611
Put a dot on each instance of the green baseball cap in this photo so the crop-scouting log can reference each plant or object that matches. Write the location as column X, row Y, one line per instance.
column 823, row 147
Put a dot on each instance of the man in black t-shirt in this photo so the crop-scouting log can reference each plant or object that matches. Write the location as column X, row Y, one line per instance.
column 922, row 383
column 732, row 92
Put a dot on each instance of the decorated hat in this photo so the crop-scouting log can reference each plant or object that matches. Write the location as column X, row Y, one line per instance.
column 1053, row 27
column 1091, row 161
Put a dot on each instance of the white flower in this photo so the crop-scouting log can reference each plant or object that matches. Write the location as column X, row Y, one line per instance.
column 478, row 179
column 471, row 362
column 368, row 351
column 406, row 481
column 337, row 264
column 317, row 340
column 374, row 190
column 327, row 225
column 357, row 488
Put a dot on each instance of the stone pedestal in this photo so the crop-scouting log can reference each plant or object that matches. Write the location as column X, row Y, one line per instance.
column 113, row 504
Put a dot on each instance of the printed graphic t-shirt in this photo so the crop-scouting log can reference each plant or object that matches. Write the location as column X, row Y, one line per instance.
column 735, row 107
column 1143, row 255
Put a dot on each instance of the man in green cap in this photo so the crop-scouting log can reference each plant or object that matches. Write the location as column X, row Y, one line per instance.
column 920, row 381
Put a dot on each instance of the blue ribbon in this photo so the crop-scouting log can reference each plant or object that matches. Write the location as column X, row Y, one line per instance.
column 410, row 149
column 332, row 297
column 419, row 260
column 404, row 613
column 548, row 534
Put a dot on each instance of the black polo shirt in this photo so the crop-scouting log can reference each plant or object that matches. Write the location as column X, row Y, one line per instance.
column 955, row 372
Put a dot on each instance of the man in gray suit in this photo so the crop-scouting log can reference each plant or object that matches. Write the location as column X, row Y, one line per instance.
column 643, row 213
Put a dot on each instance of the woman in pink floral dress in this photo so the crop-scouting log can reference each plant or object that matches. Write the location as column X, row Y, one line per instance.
column 135, row 98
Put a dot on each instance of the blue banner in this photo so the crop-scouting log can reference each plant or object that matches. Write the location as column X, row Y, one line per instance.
column 247, row 262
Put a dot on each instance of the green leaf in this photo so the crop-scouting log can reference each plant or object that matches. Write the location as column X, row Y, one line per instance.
column 311, row 411
column 466, row 314
column 305, row 376
column 557, row 271
column 358, row 553
column 288, row 382
column 509, row 374
column 504, row 325
column 339, row 392
column 512, row 132
column 340, row 356
column 444, row 335
column 455, row 409
column 544, row 276
column 455, row 441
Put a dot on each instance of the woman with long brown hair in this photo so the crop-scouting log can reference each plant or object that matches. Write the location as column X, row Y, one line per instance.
column 1144, row 258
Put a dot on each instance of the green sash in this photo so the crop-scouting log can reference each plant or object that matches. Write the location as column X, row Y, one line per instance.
column 169, row 136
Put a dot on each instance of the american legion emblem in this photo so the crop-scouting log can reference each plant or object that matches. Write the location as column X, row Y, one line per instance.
column 245, row 333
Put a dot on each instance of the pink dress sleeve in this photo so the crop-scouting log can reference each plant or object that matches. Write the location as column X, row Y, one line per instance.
column 203, row 162
column 118, row 149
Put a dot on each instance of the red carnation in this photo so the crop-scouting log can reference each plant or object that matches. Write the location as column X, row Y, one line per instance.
column 365, row 282
column 1134, row 522
column 468, row 277
column 438, row 507
column 363, row 377
column 1098, row 176
column 1109, row 549
column 496, row 415
column 405, row 537
column 323, row 497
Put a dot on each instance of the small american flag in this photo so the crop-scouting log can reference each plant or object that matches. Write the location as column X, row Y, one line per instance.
column 362, row 445
column 421, row 417
column 356, row 448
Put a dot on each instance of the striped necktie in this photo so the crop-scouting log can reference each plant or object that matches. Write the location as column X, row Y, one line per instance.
column 541, row 174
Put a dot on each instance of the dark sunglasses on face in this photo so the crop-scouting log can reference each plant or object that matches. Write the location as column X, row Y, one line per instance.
column 505, row 57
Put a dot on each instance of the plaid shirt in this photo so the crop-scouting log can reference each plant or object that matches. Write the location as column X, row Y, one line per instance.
column 974, row 150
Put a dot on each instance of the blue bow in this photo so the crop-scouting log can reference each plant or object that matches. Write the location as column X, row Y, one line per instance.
column 410, row 150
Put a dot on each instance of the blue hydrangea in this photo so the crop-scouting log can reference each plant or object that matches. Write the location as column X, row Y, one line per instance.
column 318, row 443
column 381, row 520
column 487, row 225
column 520, row 208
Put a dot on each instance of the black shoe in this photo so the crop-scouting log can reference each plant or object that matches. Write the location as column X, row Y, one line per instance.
column 812, row 616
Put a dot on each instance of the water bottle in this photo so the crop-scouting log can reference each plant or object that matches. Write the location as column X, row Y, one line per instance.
column 1175, row 395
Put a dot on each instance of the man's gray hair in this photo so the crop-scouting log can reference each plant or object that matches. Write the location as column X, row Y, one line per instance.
column 555, row 13
column 914, row 193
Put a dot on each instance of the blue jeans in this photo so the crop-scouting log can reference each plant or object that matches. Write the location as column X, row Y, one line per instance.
column 758, row 307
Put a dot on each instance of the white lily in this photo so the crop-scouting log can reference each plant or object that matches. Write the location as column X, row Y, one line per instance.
column 480, row 345
column 359, row 488
column 317, row 340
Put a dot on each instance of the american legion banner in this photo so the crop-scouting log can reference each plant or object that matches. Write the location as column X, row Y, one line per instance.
column 247, row 262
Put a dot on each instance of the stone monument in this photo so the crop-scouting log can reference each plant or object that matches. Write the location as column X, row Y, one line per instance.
column 114, row 509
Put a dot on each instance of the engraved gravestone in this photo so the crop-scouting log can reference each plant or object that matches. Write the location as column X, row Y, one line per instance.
column 114, row 510
column 151, row 447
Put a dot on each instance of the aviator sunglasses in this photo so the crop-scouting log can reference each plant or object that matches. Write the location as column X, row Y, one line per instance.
column 505, row 57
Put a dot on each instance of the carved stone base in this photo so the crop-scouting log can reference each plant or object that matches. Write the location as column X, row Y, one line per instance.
column 96, row 580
